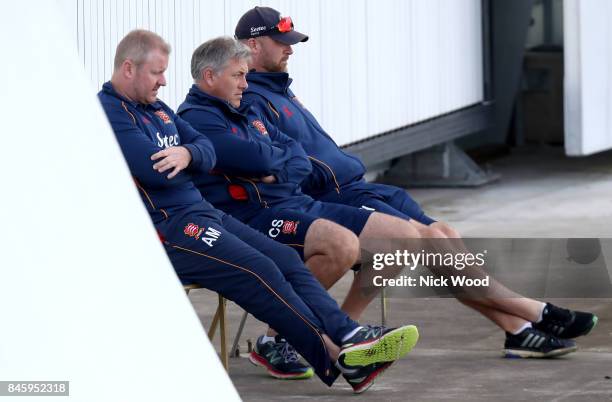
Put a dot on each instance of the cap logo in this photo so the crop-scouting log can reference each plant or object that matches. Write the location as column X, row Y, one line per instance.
column 257, row 29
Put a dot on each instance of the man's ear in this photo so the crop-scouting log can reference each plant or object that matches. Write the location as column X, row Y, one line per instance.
column 128, row 68
column 208, row 75
column 253, row 44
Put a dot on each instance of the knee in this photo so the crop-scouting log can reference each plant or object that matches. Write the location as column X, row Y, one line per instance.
column 407, row 230
column 429, row 232
column 338, row 243
column 451, row 233
column 350, row 249
column 446, row 230
column 343, row 247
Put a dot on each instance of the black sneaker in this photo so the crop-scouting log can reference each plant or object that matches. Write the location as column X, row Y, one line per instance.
column 534, row 343
column 565, row 324
column 377, row 345
column 280, row 360
column 362, row 378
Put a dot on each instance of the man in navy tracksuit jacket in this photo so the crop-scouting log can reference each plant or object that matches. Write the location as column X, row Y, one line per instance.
column 248, row 153
column 338, row 178
column 259, row 170
column 257, row 178
column 207, row 246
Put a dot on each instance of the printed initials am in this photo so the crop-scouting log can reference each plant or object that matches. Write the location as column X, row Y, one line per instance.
column 210, row 236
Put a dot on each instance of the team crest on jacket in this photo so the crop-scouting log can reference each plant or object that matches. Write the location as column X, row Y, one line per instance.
column 278, row 226
column 193, row 230
column 290, row 227
column 163, row 116
column 260, row 127
column 208, row 236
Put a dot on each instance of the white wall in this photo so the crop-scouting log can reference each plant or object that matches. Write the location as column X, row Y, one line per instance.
column 369, row 66
column 588, row 76
column 87, row 293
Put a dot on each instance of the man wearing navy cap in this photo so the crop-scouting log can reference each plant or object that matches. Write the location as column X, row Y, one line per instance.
column 262, row 22
column 337, row 177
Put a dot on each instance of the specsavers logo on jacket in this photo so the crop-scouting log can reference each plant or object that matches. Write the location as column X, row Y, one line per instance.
column 167, row 141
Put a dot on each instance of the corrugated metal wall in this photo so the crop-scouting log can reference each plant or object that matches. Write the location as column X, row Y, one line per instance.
column 369, row 66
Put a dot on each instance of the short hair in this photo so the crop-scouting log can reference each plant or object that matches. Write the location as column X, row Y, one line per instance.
column 137, row 45
column 216, row 54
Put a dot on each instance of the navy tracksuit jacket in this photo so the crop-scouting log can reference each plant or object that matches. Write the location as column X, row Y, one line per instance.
column 337, row 176
column 208, row 247
column 251, row 148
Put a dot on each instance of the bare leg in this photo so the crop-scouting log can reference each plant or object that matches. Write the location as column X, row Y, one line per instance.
column 378, row 226
column 510, row 302
column 330, row 250
column 499, row 309
column 356, row 301
column 507, row 322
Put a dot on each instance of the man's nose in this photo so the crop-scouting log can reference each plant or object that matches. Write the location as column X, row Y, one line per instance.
column 243, row 83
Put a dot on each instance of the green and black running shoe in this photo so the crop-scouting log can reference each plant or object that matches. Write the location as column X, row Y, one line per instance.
column 377, row 345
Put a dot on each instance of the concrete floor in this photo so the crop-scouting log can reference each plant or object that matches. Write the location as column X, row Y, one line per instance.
column 541, row 194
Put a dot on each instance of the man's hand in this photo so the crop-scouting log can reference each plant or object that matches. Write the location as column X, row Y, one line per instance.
column 265, row 179
column 268, row 179
column 173, row 157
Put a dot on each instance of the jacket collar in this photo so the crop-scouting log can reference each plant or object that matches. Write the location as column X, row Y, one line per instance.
column 277, row 82
column 109, row 89
column 198, row 97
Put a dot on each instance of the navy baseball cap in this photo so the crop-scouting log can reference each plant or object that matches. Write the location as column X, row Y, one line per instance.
column 266, row 21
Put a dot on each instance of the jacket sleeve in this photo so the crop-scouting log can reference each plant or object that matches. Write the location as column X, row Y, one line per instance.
column 298, row 166
column 137, row 149
column 203, row 157
column 237, row 155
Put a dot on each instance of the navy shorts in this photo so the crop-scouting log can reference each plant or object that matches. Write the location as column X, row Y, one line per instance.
column 390, row 200
column 289, row 226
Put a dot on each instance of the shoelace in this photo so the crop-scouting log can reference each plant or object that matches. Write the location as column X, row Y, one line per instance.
column 288, row 352
column 560, row 318
column 560, row 315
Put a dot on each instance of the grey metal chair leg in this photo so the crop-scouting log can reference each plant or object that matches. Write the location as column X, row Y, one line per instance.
column 238, row 334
